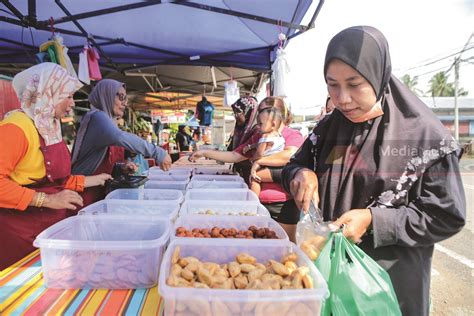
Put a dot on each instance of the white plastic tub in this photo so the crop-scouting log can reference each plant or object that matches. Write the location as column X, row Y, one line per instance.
column 218, row 302
column 163, row 209
column 221, row 194
column 234, row 208
column 119, row 252
column 222, row 170
column 146, row 195
column 166, row 185
column 198, row 184
column 169, row 177
column 172, row 171
column 210, row 177
column 238, row 222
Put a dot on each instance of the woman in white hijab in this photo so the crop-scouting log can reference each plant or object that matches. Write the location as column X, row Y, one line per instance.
column 36, row 185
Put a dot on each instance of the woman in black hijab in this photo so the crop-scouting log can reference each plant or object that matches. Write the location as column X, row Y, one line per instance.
column 382, row 164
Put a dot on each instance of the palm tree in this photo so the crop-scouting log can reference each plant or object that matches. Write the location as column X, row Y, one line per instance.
column 411, row 83
column 439, row 85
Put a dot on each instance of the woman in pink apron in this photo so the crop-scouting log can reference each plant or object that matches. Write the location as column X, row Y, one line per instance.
column 36, row 185
column 100, row 143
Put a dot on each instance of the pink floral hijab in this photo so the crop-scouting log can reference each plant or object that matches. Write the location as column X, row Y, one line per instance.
column 40, row 88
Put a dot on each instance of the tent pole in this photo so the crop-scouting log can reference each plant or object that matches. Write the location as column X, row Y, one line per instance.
column 73, row 33
column 14, row 10
column 65, row 10
column 316, row 13
column 89, row 14
column 32, row 12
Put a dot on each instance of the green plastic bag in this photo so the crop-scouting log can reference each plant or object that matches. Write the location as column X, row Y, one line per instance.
column 357, row 284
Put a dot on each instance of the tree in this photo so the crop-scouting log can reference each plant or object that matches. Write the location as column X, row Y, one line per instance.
column 411, row 83
column 440, row 87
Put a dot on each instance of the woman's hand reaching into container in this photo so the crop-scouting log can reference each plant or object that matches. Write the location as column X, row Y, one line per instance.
column 129, row 168
column 304, row 189
column 196, row 155
column 165, row 165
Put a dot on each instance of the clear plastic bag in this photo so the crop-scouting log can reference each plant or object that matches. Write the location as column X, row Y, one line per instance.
column 231, row 92
column 312, row 233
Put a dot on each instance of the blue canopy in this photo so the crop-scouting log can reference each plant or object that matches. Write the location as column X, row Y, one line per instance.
column 134, row 35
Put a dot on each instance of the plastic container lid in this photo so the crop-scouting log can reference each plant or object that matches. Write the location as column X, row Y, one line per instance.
column 158, row 171
column 166, row 209
column 169, row 185
column 102, row 232
column 214, row 184
column 166, row 177
column 146, row 195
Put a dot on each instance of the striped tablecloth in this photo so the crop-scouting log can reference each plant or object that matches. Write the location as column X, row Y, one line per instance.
column 22, row 293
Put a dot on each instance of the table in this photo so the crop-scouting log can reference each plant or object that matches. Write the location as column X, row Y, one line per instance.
column 22, row 292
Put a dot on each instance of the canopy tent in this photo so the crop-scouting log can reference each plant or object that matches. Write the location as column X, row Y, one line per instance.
column 138, row 40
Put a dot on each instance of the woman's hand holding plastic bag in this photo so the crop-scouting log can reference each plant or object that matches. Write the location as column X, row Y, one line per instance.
column 357, row 284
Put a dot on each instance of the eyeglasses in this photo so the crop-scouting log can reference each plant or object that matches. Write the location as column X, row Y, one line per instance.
column 268, row 108
column 122, row 97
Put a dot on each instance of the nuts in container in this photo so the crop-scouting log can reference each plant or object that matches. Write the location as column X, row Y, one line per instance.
column 211, row 212
column 252, row 232
column 244, row 273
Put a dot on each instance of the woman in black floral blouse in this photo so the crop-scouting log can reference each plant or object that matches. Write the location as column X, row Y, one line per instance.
column 382, row 164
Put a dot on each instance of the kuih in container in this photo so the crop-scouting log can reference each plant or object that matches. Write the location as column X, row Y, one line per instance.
column 228, row 223
column 221, row 194
column 216, row 301
column 119, row 252
column 146, row 194
column 213, row 171
column 163, row 209
column 231, row 208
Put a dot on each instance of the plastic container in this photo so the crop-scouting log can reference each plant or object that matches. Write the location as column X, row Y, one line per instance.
column 218, row 302
column 179, row 168
column 167, row 185
column 167, row 177
column 221, row 194
column 198, row 184
column 245, row 208
column 210, row 177
column 119, row 252
column 163, row 209
column 213, row 171
column 146, row 195
column 172, row 171
column 237, row 222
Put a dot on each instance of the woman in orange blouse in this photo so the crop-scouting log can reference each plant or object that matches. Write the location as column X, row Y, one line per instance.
column 36, row 185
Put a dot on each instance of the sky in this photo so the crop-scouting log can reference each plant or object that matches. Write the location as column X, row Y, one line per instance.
column 418, row 32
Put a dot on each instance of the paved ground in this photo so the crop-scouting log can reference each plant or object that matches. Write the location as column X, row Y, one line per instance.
column 452, row 283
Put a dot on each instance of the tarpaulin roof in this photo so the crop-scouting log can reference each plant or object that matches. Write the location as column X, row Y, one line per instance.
column 140, row 34
column 139, row 40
